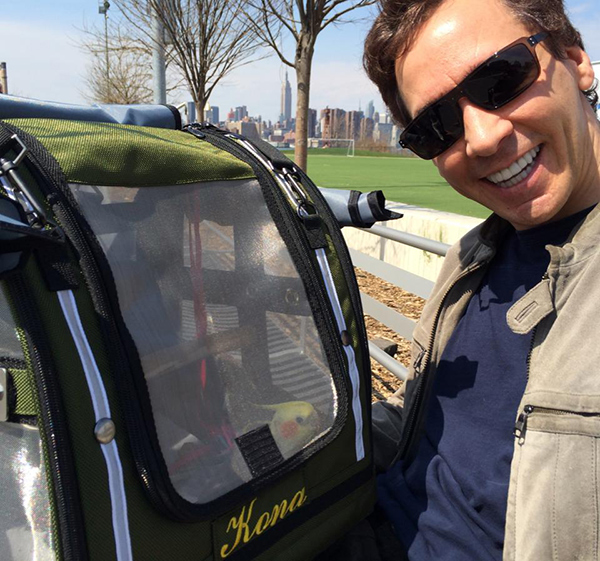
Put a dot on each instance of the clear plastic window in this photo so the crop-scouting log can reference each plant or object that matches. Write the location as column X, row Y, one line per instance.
column 25, row 519
column 10, row 346
column 221, row 321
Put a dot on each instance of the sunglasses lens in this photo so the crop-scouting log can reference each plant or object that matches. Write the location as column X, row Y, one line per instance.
column 492, row 85
column 434, row 130
column 503, row 78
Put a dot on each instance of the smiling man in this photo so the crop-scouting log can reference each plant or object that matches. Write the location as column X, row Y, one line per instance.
column 492, row 448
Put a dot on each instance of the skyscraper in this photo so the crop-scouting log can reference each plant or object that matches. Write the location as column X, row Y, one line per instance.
column 370, row 110
column 286, row 100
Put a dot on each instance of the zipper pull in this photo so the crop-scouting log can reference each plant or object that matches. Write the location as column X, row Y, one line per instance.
column 521, row 424
column 418, row 362
column 197, row 128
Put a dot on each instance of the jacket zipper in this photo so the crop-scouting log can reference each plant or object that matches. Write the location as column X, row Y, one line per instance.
column 521, row 424
column 424, row 381
column 286, row 198
column 520, row 428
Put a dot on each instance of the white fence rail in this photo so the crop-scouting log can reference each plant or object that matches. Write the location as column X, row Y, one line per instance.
column 409, row 282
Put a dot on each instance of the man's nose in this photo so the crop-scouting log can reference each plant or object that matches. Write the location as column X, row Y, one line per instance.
column 484, row 129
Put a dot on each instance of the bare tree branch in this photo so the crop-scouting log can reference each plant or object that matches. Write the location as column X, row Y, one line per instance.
column 205, row 39
column 303, row 20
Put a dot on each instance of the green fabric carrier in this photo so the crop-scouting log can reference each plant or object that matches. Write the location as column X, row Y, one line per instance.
column 182, row 346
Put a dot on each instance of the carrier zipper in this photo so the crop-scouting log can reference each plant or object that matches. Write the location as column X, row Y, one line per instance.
column 285, row 177
column 138, row 441
column 226, row 141
column 143, row 442
column 424, row 381
column 62, row 203
column 297, row 198
column 54, row 427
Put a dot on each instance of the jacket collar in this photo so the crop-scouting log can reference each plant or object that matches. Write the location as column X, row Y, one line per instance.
column 583, row 240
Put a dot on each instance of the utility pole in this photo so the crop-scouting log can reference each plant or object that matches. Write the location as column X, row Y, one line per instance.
column 103, row 9
column 158, row 55
column 3, row 78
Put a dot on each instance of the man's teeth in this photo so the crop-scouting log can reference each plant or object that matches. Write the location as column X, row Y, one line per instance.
column 515, row 172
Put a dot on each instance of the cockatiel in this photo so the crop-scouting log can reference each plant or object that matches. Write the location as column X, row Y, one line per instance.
column 294, row 424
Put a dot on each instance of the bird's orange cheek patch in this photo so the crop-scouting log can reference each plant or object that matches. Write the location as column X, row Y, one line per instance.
column 289, row 429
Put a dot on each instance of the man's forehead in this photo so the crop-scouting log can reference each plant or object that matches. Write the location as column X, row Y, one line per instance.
column 457, row 37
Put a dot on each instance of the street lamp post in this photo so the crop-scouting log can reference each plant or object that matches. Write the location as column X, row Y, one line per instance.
column 158, row 54
column 103, row 7
column 3, row 78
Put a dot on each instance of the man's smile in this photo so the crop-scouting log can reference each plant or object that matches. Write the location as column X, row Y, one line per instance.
column 517, row 171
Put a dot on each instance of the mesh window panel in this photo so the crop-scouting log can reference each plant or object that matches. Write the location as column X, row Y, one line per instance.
column 25, row 521
column 222, row 324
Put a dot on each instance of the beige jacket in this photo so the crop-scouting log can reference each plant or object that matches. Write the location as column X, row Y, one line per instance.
column 554, row 493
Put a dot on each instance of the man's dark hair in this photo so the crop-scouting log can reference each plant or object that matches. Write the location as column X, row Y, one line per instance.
column 399, row 21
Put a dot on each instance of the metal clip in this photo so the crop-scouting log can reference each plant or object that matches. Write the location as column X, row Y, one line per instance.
column 18, row 191
column 301, row 197
column 9, row 165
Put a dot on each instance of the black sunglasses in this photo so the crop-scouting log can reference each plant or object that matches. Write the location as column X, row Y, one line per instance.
column 495, row 82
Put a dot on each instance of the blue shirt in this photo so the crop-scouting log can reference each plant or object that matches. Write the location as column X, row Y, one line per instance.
column 450, row 503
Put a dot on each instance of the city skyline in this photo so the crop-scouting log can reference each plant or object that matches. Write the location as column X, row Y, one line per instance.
column 56, row 71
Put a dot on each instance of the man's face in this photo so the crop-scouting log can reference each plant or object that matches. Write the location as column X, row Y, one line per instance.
column 550, row 123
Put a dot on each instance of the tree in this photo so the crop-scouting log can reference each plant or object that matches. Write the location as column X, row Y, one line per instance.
column 120, row 68
column 303, row 20
column 206, row 39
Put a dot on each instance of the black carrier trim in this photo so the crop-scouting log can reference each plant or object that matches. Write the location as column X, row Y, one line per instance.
column 297, row 242
column 54, row 426
column 124, row 359
column 54, row 429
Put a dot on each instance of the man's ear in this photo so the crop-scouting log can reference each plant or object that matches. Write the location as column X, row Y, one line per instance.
column 584, row 69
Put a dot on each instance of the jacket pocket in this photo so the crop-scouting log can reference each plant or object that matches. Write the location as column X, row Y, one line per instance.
column 553, row 500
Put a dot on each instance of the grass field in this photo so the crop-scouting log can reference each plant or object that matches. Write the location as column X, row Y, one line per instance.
column 402, row 179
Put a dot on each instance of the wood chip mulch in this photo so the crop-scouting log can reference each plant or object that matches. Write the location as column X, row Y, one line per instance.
column 384, row 382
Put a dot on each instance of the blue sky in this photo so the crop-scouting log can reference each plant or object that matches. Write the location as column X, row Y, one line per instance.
column 38, row 43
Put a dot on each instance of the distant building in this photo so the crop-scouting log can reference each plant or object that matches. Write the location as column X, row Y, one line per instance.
column 370, row 111
column 333, row 123
column 286, row 101
column 382, row 132
column 240, row 113
column 231, row 115
column 250, row 130
column 352, row 125
column 312, row 123
column 212, row 115
column 395, row 136
column 366, row 128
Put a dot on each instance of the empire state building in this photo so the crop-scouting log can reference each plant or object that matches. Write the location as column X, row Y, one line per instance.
column 286, row 101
